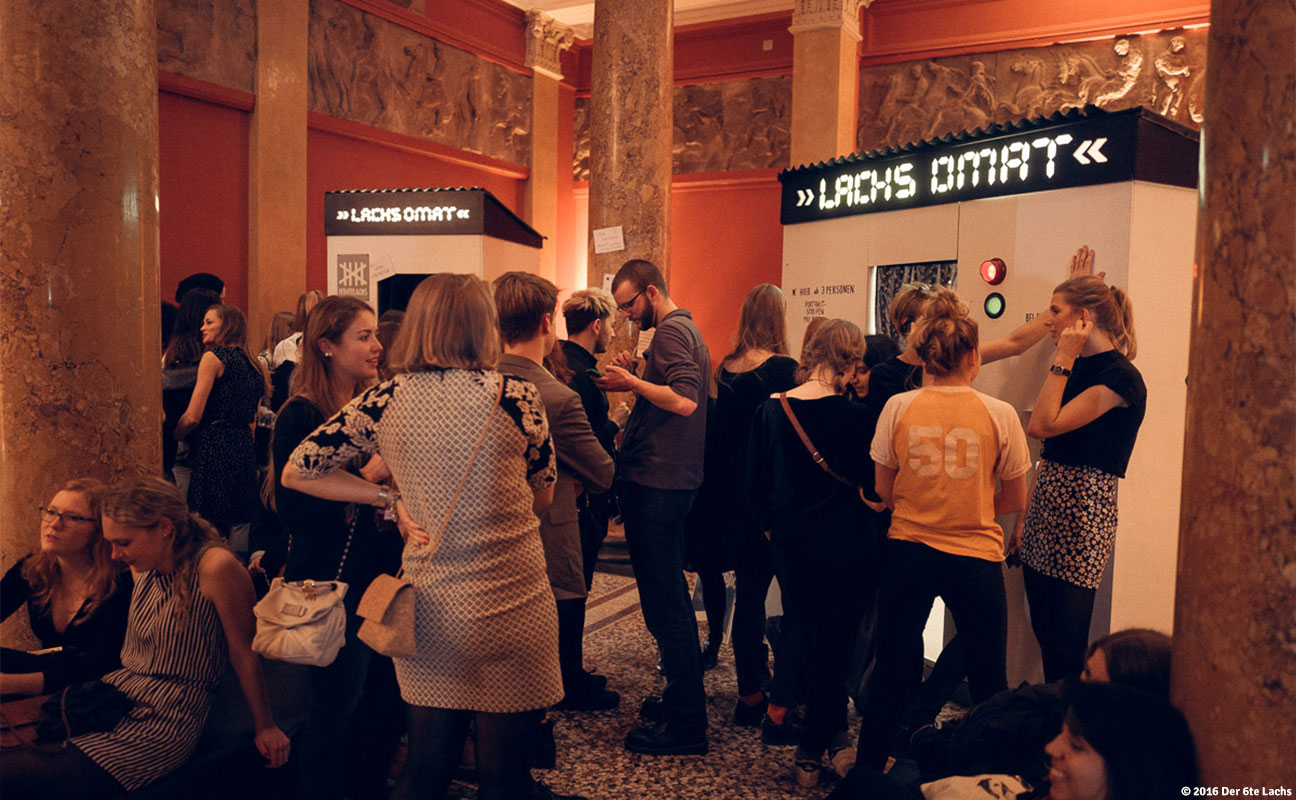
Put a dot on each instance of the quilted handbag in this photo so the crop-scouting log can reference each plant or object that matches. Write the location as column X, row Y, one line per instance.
column 387, row 608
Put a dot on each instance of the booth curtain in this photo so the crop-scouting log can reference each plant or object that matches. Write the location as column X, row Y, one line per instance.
column 892, row 277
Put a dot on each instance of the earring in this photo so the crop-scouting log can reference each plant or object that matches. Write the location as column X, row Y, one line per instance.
column 328, row 355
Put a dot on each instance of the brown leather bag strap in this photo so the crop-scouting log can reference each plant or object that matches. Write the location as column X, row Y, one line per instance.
column 805, row 440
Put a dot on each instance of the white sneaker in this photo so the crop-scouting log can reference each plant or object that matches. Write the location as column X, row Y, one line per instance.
column 842, row 760
column 805, row 770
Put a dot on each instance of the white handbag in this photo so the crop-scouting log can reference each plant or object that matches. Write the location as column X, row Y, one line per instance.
column 304, row 622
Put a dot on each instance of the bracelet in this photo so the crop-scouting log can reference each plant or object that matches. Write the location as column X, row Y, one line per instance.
column 384, row 497
column 392, row 499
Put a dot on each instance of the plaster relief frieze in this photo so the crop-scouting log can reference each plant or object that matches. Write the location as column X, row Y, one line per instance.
column 209, row 40
column 367, row 70
column 918, row 100
column 718, row 127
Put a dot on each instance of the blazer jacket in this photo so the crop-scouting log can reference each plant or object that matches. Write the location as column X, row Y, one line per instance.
column 581, row 458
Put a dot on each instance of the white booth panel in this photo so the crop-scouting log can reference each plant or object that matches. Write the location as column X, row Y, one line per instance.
column 1161, row 253
column 357, row 263
column 500, row 256
column 827, row 265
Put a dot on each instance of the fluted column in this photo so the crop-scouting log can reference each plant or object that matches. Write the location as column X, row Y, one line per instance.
column 80, row 342
column 630, row 131
column 1234, row 670
column 277, row 164
column 825, row 78
column 546, row 40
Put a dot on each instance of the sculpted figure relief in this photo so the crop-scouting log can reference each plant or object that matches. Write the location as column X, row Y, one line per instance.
column 365, row 69
column 213, row 41
column 919, row 100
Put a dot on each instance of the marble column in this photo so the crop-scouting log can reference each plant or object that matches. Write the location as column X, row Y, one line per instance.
column 631, row 108
column 825, row 78
column 1234, row 668
column 546, row 39
column 277, row 164
column 80, row 337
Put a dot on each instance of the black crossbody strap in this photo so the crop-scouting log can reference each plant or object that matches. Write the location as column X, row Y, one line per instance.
column 805, row 440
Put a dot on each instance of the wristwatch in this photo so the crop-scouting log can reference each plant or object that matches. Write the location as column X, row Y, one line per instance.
column 1058, row 369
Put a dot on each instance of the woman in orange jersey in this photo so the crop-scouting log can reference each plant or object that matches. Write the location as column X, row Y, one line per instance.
column 938, row 451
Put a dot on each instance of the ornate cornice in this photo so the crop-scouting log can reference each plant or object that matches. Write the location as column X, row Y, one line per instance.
column 546, row 38
column 820, row 15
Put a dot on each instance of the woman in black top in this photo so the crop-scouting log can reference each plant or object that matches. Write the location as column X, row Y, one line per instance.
column 824, row 545
column 338, row 358
column 77, row 598
column 757, row 368
column 1088, row 413
column 179, row 371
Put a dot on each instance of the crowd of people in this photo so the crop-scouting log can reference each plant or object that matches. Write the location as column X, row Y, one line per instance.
column 461, row 443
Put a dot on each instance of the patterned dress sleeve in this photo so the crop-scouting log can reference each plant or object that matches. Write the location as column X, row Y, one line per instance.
column 522, row 401
column 349, row 432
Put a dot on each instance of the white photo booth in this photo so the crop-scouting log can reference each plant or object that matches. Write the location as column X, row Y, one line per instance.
column 1028, row 194
column 382, row 243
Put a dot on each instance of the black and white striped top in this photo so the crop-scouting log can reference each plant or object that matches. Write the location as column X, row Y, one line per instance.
column 170, row 669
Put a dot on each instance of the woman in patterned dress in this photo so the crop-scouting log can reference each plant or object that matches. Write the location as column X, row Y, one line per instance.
column 191, row 613
column 485, row 621
column 1088, row 413
column 222, row 411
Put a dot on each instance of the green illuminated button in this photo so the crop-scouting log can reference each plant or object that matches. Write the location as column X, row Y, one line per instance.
column 994, row 305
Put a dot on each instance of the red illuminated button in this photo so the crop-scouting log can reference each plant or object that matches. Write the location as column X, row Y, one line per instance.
column 993, row 271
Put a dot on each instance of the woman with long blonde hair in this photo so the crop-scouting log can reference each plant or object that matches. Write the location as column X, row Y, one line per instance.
column 191, row 617
column 1088, row 413
column 471, row 452
column 77, row 597
column 758, row 367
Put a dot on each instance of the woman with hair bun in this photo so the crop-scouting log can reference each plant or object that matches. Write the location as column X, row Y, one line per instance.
column 1088, row 413
column 190, row 616
column 938, row 451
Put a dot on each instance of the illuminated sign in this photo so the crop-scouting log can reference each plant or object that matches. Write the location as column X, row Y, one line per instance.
column 420, row 212
column 1077, row 150
column 994, row 305
column 993, row 271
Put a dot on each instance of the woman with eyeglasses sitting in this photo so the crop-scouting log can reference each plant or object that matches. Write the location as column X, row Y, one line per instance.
column 77, row 597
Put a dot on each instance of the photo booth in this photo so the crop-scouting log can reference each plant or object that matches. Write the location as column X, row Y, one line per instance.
column 1007, row 206
column 382, row 243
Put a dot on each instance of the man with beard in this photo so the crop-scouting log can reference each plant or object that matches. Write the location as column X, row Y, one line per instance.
column 658, row 474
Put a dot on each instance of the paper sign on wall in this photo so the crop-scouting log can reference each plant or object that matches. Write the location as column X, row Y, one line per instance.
column 607, row 281
column 609, row 240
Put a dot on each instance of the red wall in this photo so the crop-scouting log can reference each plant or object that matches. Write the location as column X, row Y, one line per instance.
column 203, row 193
column 335, row 162
column 724, row 240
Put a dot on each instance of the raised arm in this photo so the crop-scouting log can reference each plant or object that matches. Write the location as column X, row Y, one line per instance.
column 1029, row 334
column 224, row 582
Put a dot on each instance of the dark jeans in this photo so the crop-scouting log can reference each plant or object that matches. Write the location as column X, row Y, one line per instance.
column 941, row 684
column 654, row 530
column 571, row 641
column 827, row 578
column 436, row 740
column 592, row 516
column 753, row 571
column 335, row 691
column 1060, row 613
column 914, row 575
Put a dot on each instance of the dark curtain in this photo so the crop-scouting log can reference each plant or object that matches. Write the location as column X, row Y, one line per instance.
column 893, row 276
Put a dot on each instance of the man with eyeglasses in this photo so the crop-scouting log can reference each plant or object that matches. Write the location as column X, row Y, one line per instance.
column 659, row 472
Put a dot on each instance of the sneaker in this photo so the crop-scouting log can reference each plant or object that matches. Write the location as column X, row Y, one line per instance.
column 662, row 740
column 805, row 771
column 842, row 760
column 746, row 716
column 780, row 734
column 586, row 700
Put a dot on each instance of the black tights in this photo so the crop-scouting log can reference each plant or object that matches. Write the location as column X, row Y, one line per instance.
column 1060, row 613
column 436, row 739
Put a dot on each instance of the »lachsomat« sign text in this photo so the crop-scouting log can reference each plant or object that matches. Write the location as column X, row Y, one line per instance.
column 406, row 214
